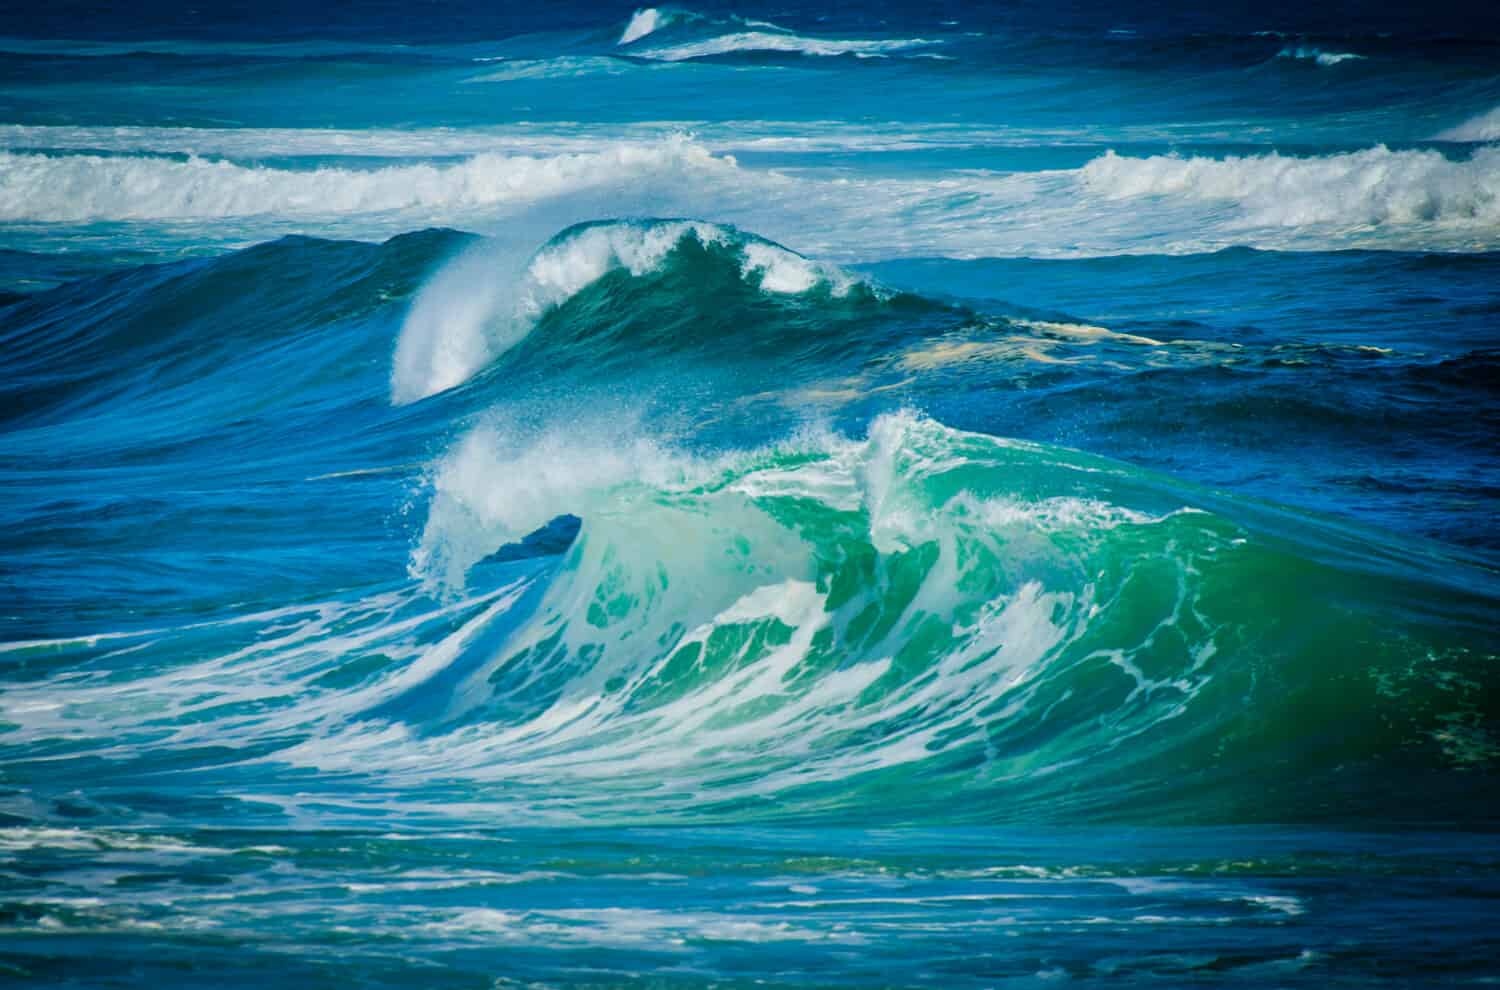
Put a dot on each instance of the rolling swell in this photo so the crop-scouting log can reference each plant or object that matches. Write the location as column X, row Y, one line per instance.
column 187, row 330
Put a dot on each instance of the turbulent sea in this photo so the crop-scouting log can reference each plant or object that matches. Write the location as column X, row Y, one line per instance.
column 807, row 494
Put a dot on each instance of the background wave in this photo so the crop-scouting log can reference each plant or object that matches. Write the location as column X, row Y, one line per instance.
column 1398, row 199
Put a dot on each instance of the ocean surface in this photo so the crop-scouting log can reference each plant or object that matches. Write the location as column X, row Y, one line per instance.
column 773, row 495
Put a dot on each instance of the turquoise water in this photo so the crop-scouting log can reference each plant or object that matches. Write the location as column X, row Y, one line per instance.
column 798, row 497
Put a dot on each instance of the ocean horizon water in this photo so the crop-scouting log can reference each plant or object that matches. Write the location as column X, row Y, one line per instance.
column 957, row 495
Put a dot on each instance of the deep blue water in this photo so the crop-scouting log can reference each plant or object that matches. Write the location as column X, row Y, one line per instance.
column 804, row 495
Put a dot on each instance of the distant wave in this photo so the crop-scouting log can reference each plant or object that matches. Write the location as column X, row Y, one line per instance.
column 320, row 49
column 1374, row 198
column 394, row 142
column 72, row 188
column 528, row 138
column 696, row 36
column 644, row 22
column 766, row 41
column 1308, row 53
column 1374, row 186
column 1485, row 127
column 562, row 67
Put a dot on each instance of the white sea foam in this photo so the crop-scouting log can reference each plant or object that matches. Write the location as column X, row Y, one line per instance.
column 1370, row 187
column 1318, row 55
column 642, row 23
column 471, row 515
column 563, row 67
column 73, row 188
column 455, row 325
column 770, row 41
column 567, row 266
column 618, row 928
column 255, row 143
column 1485, row 127
column 1375, row 198
column 252, row 143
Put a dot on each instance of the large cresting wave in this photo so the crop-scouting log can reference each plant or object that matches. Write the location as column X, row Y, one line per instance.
column 924, row 624
column 916, row 625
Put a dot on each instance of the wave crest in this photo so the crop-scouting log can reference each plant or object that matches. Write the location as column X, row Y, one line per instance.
column 1360, row 188
column 1308, row 53
column 1485, row 127
column 76, row 188
column 644, row 22
column 484, row 303
column 775, row 42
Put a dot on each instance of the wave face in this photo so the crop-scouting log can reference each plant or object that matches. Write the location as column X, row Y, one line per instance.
column 827, row 619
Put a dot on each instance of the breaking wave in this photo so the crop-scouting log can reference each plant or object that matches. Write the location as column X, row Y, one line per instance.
column 1407, row 199
column 484, row 302
column 73, row 188
column 922, row 623
column 1318, row 55
column 697, row 36
column 766, row 41
column 644, row 22
column 1374, row 186
column 1485, row 127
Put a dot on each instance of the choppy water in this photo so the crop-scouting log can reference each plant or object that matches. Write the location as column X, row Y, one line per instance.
column 671, row 497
